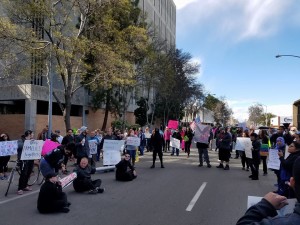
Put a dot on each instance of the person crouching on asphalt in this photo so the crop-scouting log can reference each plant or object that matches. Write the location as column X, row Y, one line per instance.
column 51, row 197
column 83, row 182
column 124, row 170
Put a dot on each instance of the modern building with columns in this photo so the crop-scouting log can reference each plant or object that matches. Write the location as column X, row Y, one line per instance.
column 24, row 102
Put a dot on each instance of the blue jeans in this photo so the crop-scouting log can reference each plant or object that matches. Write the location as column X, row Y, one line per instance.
column 173, row 151
column 141, row 148
column 203, row 153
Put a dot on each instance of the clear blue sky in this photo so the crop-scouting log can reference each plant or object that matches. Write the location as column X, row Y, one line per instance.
column 236, row 41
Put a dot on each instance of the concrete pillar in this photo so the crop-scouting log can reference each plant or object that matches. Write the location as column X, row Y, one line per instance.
column 30, row 114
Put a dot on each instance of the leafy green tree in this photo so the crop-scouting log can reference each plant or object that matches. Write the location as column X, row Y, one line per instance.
column 255, row 113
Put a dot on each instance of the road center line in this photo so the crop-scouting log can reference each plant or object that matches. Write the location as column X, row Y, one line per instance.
column 195, row 198
column 19, row 196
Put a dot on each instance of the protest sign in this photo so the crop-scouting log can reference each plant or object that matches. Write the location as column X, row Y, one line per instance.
column 32, row 149
column 93, row 146
column 8, row 148
column 135, row 141
column 66, row 181
column 273, row 162
column 252, row 200
column 111, row 151
column 173, row 124
column 174, row 142
column 202, row 133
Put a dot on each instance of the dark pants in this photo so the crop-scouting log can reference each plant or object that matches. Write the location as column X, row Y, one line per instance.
column 167, row 145
column 26, row 169
column 3, row 163
column 264, row 161
column 86, row 184
column 160, row 155
column 254, row 168
column 244, row 159
column 203, row 153
column 187, row 147
column 127, row 176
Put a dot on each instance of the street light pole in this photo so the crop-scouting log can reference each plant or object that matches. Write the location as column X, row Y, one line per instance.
column 295, row 56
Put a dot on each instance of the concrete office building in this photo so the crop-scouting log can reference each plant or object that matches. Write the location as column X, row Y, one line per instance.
column 24, row 102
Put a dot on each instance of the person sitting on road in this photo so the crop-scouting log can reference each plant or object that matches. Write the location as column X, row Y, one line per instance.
column 51, row 197
column 53, row 161
column 125, row 171
column 264, row 212
column 83, row 182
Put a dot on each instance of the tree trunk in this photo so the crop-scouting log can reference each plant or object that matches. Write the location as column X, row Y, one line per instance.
column 107, row 109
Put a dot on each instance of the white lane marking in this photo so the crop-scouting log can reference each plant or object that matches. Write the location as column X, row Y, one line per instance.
column 19, row 196
column 195, row 198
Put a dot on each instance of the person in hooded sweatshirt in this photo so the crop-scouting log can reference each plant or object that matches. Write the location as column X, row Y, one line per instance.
column 124, row 169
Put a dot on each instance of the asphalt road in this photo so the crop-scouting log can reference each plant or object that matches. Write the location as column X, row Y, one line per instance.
column 180, row 194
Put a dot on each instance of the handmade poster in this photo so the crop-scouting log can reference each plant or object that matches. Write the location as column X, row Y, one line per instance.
column 273, row 162
column 8, row 148
column 174, row 142
column 264, row 149
column 135, row 141
column 111, row 151
column 248, row 147
column 286, row 154
column 252, row 200
column 49, row 146
column 32, row 149
column 173, row 124
column 202, row 133
column 66, row 181
column 93, row 146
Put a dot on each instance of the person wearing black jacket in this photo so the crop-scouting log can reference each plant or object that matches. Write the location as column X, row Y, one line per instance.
column 53, row 161
column 157, row 141
column 286, row 169
column 124, row 170
column 176, row 135
column 51, row 197
column 187, row 143
column 255, row 161
column 288, row 139
column 83, row 182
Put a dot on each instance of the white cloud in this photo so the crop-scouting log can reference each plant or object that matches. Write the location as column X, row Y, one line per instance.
column 182, row 3
column 237, row 19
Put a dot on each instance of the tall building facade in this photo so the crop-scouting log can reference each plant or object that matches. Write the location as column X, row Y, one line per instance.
column 161, row 15
column 24, row 102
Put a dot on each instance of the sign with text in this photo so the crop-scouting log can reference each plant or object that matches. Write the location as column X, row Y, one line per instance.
column 202, row 133
column 244, row 144
column 134, row 141
column 174, row 142
column 173, row 124
column 8, row 148
column 93, row 146
column 111, row 151
column 274, row 161
column 32, row 149
column 66, row 181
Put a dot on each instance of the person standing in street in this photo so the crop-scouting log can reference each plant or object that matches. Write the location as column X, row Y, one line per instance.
column 167, row 135
column 224, row 144
column 176, row 135
column 157, row 141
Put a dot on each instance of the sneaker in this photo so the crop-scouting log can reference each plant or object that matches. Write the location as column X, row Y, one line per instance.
column 162, row 166
column 250, row 176
column 221, row 166
column 208, row 166
column 254, row 178
column 243, row 168
column 20, row 192
column 93, row 191
column 101, row 190
column 226, row 167
column 27, row 189
column 200, row 165
column 265, row 174
column 152, row 166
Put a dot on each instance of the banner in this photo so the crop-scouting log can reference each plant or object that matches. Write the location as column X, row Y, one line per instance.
column 202, row 133
column 274, row 161
column 173, row 124
column 93, row 146
column 264, row 149
column 174, row 142
column 135, row 141
column 8, row 148
column 32, row 149
column 112, row 151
